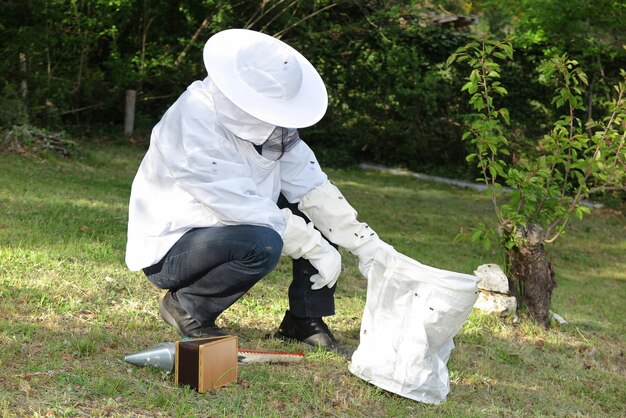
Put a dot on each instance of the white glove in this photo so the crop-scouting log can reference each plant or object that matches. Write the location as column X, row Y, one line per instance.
column 303, row 240
column 327, row 261
column 331, row 213
column 365, row 253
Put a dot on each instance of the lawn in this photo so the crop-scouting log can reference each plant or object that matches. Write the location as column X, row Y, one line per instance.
column 70, row 310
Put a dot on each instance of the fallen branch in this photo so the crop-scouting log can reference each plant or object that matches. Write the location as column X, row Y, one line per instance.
column 80, row 109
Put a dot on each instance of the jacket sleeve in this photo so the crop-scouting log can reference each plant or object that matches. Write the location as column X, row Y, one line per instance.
column 209, row 167
column 300, row 172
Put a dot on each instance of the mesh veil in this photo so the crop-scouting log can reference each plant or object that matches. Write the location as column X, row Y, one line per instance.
column 280, row 141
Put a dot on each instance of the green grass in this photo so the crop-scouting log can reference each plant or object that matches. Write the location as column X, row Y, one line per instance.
column 70, row 310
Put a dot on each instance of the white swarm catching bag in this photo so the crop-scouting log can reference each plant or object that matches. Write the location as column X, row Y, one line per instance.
column 412, row 312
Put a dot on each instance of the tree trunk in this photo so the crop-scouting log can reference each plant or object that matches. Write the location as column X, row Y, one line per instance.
column 531, row 278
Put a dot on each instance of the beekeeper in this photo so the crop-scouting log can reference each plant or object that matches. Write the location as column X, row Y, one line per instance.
column 227, row 186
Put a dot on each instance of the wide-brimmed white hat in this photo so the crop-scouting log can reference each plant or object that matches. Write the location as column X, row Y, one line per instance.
column 266, row 78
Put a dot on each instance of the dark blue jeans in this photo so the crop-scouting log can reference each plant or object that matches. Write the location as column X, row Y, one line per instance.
column 211, row 268
column 303, row 301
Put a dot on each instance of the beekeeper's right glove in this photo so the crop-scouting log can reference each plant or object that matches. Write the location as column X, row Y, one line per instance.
column 302, row 240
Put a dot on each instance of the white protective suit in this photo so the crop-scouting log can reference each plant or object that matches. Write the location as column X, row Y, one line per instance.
column 197, row 174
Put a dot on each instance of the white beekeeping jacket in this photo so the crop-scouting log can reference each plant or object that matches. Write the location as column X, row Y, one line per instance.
column 196, row 174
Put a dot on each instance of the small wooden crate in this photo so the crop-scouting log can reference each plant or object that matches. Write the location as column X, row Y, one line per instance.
column 206, row 363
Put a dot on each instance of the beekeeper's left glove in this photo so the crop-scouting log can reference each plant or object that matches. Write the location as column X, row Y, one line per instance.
column 365, row 253
column 302, row 240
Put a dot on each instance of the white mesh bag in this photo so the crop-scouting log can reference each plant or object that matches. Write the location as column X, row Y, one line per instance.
column 412, row 312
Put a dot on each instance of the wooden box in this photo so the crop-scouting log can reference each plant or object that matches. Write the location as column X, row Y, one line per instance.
column 206, row 363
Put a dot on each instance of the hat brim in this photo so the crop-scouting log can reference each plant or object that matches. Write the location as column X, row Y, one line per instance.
column 306, row 108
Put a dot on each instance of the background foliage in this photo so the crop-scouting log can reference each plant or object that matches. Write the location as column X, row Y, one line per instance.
column 392, row 99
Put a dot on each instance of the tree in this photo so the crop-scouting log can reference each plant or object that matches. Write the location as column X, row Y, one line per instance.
column 573, row 160
column 591, row 31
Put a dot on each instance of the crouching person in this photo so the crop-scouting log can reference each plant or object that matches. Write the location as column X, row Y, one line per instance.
column 227, row 186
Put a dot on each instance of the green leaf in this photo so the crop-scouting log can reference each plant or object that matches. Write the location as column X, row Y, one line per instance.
column 559, row 102
column 500, row 90
column 509, row 244
column 504, row 112
column 582, row 211
column 508, row 49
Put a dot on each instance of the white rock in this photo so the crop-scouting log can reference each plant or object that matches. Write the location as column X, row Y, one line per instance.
column 492, row 278
column 497, row 304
